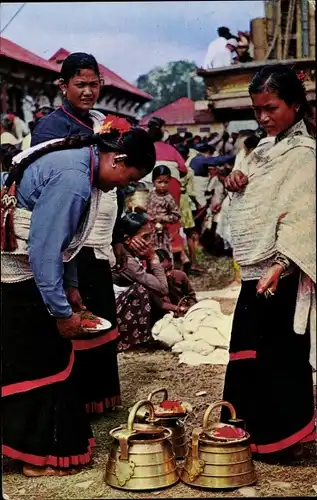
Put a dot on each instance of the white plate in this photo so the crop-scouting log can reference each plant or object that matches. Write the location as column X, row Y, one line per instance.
column 104, row 325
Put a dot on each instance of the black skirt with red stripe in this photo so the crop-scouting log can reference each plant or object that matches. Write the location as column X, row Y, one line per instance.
column 269, row 377
column 43, row 419
column 96, row 365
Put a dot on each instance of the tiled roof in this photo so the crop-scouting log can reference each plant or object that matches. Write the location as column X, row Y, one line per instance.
column 179, row 112
column 110, row 78
column 14, row 51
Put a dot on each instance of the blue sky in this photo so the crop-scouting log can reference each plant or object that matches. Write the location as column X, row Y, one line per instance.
column 129, row 37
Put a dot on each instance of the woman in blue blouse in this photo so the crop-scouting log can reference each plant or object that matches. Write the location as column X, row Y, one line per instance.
column 44, row 421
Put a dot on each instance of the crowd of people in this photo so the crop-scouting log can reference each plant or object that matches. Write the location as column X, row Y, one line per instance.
column 97, row 216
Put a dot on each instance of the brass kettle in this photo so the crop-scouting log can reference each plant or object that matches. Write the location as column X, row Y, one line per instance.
column 141, row 457
column 170, row 420
column 216, row 461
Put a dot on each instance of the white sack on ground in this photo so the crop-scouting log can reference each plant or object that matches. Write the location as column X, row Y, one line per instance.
column 201, row 337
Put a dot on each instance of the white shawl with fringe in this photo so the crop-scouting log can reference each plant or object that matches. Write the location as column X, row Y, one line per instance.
column 277, row 213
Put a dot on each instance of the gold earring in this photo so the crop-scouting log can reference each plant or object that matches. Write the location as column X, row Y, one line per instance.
column 113, row 165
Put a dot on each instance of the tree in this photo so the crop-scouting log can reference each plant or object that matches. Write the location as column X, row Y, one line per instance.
column 170, row 82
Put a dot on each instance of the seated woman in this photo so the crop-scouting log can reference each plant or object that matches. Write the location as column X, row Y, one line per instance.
column 181, row 295
column 142, row 276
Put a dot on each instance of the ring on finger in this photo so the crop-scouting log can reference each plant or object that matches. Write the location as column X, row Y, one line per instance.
column 269, row 292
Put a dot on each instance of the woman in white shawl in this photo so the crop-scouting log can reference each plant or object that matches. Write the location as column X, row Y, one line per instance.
column 273, row 225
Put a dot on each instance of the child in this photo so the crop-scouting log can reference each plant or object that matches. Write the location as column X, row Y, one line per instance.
column 162, row 210
column 179, row 287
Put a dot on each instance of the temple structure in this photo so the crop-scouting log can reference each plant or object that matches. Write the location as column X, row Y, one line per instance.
column 27, row 77
column 285, row 36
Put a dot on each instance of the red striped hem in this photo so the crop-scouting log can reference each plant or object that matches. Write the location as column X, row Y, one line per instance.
column 298, row 437
column 310, row 438
column 60, row 462
column 29, row 385
column 100, row 407
column 81, row 345
column 233, row 356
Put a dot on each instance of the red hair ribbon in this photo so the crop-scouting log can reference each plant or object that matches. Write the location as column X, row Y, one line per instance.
column 301, row 76
column 115, row 123
column 11, row 117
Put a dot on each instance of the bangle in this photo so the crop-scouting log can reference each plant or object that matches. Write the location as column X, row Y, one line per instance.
column 283, row 261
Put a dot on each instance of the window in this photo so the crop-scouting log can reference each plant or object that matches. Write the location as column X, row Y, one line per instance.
column 181, row 129
column 204, row 129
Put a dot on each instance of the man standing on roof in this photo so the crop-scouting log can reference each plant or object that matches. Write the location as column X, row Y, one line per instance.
column 220, row 50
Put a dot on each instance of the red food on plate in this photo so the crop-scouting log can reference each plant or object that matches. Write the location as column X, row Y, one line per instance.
column 89, row 321
column 229, row 432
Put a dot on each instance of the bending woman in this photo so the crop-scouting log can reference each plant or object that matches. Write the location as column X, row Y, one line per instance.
column 57, row 192
column 272, row 219
column 139, row 281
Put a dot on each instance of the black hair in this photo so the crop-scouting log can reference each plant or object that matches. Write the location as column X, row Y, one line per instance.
column 156, row 121
column 163, row 255
column 132, row 222
column 6, row 152
column 160, row 170
column 205, row 148
column 197, row 138
column 252, row 141
column 245, row 132
column 175, row 140
column 224, row 32
column 188, row 135
column 183, row 150
column 135, row 143
column 77, row 61
column 155, row 131
column 284, row 82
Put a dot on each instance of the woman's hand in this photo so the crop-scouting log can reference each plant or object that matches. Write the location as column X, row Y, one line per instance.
column 149, row 254
column 138, row 245
column 75, row 299
column 182, row 310
column 268, row 283
column 69, row 328
column 120, row 255
column 236, row 181
column 215, row 208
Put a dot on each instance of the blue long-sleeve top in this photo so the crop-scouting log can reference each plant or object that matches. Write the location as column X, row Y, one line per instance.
column 64, row 124
column 200, row 163
column 60, row 124
column 56, row 188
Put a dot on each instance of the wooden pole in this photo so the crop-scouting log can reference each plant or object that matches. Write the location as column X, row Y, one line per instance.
column 259, row 38
column 312, row 27
column 298, row 30
column 279, row 45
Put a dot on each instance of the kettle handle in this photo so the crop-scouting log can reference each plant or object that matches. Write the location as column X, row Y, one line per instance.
column 135, row 408
column 157, row 391
column 213, row 406
column 197, row 431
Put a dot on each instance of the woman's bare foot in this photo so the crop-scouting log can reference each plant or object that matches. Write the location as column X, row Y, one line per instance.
column 196, row 269
column 33, row 471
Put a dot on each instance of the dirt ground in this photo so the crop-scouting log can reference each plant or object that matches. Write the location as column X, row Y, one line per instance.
column 141, row 372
